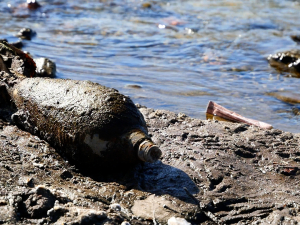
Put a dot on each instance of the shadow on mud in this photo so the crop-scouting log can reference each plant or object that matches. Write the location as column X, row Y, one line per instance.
column 160, row 179
column 156, row 178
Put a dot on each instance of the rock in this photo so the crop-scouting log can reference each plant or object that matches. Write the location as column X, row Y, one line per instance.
column 177, row 221
column 45, row 67
column 125, row 223
column 7, row 212
column 146, row 5
column 17, row 44
column 161, row 208
column 296, row 38
column 37, row 203
column 33, row 4
column 56, row 212
column 288, row 97
column 26, row 33
column 66, row 175
column 91, row 216
column 286, row 61
column 133, row 86
column 115, row 207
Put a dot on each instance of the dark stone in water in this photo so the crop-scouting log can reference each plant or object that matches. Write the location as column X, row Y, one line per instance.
column 296, row 38
column 33, row 4
column 286, row 61
column 17, row 44
column 26, row 33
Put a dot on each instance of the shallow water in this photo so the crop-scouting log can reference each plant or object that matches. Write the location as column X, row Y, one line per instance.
column 176, row 55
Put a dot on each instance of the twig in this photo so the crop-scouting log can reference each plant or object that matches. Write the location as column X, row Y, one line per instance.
column 216, row 110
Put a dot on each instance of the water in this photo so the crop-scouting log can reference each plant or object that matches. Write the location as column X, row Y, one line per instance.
column 176, row 55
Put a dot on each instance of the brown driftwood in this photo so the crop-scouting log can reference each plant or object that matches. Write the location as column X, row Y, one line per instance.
column 216, row 111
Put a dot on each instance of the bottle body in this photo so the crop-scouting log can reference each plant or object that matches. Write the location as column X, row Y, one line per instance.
column 90, row 124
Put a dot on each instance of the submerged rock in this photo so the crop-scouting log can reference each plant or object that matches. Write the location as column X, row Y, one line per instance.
column 288, row 61
column 296, row 38
column 26, row 33
column 33, row 4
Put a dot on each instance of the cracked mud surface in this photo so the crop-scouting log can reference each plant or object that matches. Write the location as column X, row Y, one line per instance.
column 211, row 173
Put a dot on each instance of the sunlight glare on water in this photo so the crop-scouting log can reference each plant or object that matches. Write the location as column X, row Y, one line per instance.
column 174, row 55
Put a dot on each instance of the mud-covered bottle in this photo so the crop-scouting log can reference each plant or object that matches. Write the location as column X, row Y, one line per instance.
column 92, row 125
column 89, row 123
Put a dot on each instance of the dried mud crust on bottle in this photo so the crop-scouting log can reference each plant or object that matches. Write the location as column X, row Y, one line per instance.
column 87, row 122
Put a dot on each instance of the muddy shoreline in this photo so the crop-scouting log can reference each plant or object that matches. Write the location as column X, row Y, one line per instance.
column 211, row 172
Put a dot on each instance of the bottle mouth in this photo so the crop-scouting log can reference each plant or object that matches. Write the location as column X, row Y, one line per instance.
column 148, row 152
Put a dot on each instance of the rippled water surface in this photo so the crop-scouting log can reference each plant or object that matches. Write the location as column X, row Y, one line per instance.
column 174, row 55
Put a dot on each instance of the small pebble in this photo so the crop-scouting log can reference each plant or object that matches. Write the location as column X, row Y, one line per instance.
column 177, row 221
column 125, row 223
column 115, row 207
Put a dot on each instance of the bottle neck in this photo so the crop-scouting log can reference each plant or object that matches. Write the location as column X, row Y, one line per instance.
column 146, row 150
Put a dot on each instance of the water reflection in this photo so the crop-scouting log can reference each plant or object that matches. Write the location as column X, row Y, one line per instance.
column 213, row 50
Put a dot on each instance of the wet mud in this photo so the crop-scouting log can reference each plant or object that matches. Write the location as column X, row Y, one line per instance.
column 211, row 172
